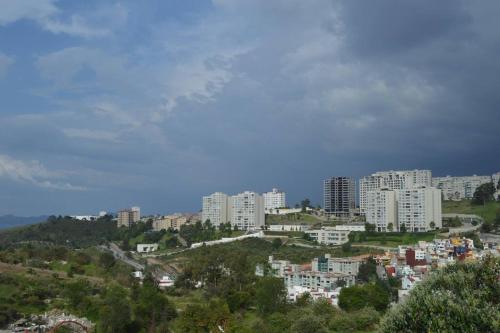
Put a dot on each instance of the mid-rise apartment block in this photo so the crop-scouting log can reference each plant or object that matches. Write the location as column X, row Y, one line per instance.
column 274, row 199
column 459, row 188
column 339, row 194
column 392, row 180
column 169, row 222
column 336, row 265
column 418, row 209
column 244, row 210
column 126, row 217
column 216, row 208
column 247, row 211
column 381, row 209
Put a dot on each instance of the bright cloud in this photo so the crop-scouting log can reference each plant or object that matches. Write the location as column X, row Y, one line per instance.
column 35, row 173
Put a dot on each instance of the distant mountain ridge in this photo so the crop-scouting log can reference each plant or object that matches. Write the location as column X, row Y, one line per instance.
column 10, row 221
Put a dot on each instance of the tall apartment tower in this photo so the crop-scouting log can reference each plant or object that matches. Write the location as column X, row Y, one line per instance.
column 216, row 208
column 392, row 180
column 247, row 211
column 126, row 217
column 339, row 196
column 274, row 199
column 419, row 209
column 381, row 210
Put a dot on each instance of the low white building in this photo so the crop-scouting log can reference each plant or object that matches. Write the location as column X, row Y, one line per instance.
column 286, row 211
column 332, row 296
column 356, row 226
column 329, row 236
column 146, row 248
column 289, row 227
column 258, row 234
column 165, row 281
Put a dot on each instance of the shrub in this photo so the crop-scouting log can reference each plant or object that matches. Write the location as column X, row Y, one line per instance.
column 459, row 298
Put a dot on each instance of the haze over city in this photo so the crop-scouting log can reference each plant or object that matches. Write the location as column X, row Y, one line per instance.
column 106, row 105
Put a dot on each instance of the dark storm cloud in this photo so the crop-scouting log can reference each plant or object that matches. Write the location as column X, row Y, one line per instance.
column 157, row 110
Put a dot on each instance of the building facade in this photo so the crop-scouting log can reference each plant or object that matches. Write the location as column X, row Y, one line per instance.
column 419, row 209
column 274, row 199
column 336, row 265
column 459, row 188
column 247, row 211
column 216, row 208
column 126, row 217
column 169, row 222
column 329, row 236
column 339, row 196
column 392, row 180
column 381, row 209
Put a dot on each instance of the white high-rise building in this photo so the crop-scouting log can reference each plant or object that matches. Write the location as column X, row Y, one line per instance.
column 392, row 180
column 418, row 208
column 495, row 178
column 274, row 199
column 216, row 208
column 381, row 210
column 459, row 188
column 247, row 211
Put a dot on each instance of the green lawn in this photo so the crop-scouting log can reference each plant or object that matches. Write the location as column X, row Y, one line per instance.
column 295, row 218
column 393, row 239
column 488, row 212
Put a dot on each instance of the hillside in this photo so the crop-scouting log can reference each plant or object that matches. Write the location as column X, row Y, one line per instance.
column 295, row 218
column 64, row 231
column 487, row 212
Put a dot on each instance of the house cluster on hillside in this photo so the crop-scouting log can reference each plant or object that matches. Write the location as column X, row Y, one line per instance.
column 322, row 278
column 412, row 264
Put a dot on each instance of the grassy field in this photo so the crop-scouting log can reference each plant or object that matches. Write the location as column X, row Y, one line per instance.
column 394, row 239
column 259, row 250
column 488, row 212
column 295, row 218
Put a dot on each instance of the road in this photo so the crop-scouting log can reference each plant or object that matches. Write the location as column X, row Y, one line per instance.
column 122, row 256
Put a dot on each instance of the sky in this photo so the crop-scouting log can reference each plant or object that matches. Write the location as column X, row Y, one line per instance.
column 155, row 103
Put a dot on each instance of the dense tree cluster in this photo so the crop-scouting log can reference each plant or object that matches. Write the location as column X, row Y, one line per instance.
column 199, row 232
column 484, row 193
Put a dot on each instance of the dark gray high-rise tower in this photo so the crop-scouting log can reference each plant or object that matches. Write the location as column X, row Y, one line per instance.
column 339, row 196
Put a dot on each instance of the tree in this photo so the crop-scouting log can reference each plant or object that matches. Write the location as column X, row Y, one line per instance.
column 106, row 260
column 369, row 227
column 441, row 303
column 484, row 193
column 390, row 227
column 433, row 225
column 304, row 204
column 367, row 270
column 277, row 243
column 203, row 318
column 270, row 295
column 402, row 228
column 358, row 297
column 346, row 247
column 114, row 313
column 151, row 307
